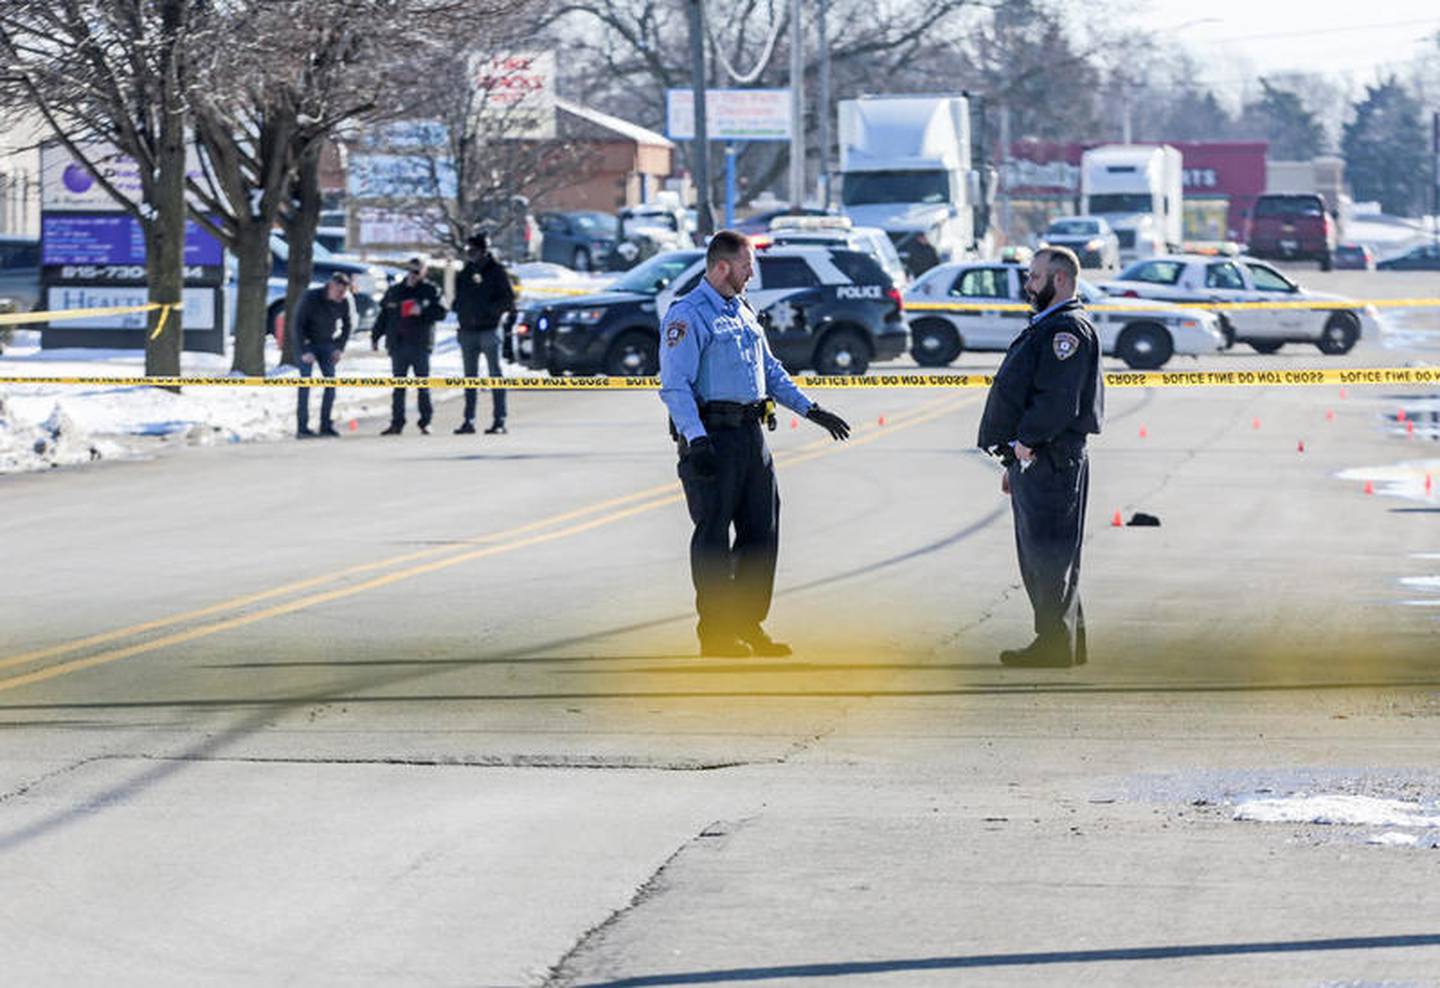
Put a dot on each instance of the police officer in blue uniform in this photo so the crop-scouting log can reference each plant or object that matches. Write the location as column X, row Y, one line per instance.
column 1047, row 398
column 720, row 381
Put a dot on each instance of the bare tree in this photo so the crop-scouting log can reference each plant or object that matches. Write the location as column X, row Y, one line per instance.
column 471, row 152
column 640, row 52
column 114, row 73
column 291, row 74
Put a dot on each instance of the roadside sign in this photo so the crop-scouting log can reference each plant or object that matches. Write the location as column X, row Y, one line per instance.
column 730, row 114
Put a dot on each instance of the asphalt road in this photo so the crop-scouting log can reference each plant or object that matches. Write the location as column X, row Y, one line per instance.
column 426, row 710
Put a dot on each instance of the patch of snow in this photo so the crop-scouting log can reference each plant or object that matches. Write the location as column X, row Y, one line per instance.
column 1337, row 809
column 1403, row 480
column 1393, row 838
column 1422, row 582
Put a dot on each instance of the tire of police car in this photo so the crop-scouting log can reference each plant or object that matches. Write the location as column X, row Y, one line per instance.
column 633, row 354
column 1342, row 329
column 1266, row 346
column 843, row 351
column 1144, row 346
column 935, row 343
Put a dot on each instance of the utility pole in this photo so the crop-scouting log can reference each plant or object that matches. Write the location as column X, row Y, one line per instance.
column 797, row 108
column 823, row 102
column 700, row 149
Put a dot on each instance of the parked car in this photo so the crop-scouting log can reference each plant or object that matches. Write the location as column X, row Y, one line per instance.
column 1190, row 278
column 1145, row 334
column 1353, row 257
column 1426, row 257
column 615, row 332
column 1090, row 237
column 647, row 230
column 1291, row 226
column 827, row 308
column 839, row 231
column 20, row 271
column 579, row 240
column 369, row 280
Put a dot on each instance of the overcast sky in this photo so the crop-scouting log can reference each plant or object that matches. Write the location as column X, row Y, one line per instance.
column 1249, row 37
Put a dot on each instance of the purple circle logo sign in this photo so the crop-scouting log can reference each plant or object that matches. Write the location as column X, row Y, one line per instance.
column 76, row 178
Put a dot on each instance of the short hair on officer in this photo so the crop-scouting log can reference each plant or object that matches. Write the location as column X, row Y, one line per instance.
column 726, row 245
column 1061, row 259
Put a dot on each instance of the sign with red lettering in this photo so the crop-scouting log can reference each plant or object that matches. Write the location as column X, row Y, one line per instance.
column 515, row 94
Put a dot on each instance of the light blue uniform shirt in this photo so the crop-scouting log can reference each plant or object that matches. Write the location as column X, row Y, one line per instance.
column 713, row 349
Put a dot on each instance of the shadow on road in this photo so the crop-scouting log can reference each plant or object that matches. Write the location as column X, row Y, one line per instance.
column 1039, row 958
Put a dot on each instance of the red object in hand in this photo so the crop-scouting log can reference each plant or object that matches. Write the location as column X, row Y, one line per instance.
column 409, row 309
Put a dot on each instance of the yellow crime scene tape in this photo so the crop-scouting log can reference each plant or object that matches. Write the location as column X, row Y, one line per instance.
column 1323, row 304
column 1114, row 379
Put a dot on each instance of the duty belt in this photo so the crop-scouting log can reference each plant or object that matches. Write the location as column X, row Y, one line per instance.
column 733, row 414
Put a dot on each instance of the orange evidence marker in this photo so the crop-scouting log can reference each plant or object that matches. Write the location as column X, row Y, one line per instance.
column 1117, row 521
column 1369, row 487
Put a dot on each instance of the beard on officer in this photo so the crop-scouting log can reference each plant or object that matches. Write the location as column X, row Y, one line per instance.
column 1047, row 398
column 720, row 381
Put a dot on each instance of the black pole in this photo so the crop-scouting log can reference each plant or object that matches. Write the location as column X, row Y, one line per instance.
column 700, row 149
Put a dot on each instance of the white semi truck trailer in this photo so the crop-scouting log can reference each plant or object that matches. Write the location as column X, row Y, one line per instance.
column 1138, row 189
column 905, row 167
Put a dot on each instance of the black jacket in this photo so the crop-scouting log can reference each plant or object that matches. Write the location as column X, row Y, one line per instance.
column 317, row 318
column 1049, row 388
column 483, row 294
column 408, row 315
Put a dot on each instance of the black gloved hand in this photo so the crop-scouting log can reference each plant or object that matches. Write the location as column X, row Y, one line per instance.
column 507, row 348
column 829, row 421
column 702, row 457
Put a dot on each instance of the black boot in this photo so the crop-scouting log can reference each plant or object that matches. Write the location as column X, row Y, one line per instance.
column 762, row 644
column 496, row 428
column 1038, row 655
column 467, row 428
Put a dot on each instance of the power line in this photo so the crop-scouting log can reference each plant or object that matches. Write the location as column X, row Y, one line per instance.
column 1350, row 29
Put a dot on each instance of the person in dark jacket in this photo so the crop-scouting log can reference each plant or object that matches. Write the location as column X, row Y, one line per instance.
column 408, row 314
column 483, row 298
column 1047, row 398
column 322, row 328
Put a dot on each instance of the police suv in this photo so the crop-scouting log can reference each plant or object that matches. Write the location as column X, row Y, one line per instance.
column 1145, row 334
column 614, row 332
column 827, row 308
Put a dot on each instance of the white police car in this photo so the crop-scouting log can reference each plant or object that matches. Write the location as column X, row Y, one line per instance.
column 1144, row 335
column 1202, row 278
column 827, row 308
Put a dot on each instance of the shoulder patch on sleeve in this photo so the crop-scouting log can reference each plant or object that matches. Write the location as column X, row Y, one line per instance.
column 675, row 331
column 1065, row 345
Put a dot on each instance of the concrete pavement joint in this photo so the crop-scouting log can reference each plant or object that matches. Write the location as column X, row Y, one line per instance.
column 588, row 762
column 26, row 787
column 560, row 974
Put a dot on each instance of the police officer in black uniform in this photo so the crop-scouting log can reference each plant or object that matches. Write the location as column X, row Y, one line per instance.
column 483, row 297
column 322, row 328
column 408, row 314
column 1048, row 396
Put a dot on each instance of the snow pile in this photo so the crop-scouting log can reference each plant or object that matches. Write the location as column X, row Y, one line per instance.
column 57, row 441
column 43, row 426
column 1338, row 809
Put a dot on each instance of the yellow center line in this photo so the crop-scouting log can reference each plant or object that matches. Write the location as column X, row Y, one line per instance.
column 927, row 412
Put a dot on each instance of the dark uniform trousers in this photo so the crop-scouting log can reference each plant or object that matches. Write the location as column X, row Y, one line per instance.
column 474, row 342
column 410, row 360
column 325, row 361
column 1048, row 498
column 734, row 581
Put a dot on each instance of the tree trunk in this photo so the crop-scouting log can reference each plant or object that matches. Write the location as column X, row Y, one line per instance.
column 165, row 231
column 252, row 257
column 300, row 224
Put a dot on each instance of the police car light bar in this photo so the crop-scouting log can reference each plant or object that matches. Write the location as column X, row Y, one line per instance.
column 811, row 223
